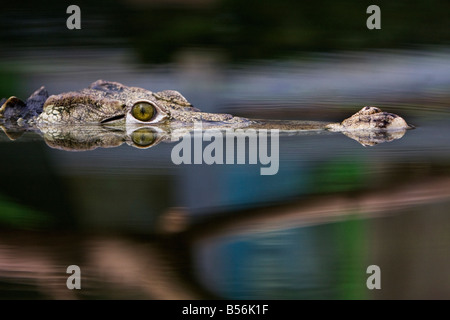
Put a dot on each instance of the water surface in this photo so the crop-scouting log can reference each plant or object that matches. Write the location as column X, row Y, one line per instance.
column 140, row 226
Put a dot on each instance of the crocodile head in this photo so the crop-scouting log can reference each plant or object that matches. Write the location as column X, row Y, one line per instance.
column 111, row 102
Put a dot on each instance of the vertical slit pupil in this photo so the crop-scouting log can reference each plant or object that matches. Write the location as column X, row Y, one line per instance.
column 143, row 111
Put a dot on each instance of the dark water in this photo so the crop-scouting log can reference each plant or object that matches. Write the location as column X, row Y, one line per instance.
column 139, row 226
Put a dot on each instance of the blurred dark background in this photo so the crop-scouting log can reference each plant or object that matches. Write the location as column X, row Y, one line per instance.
column 141, row 227
column 240, row 30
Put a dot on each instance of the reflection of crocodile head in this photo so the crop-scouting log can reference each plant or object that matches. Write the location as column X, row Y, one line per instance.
column 109, row 113
column 76, row 138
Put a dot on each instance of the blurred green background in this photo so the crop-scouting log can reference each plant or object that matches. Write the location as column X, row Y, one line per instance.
column 142, row 227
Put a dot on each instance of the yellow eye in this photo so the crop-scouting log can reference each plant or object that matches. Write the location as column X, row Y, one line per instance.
column 143, row 111
column 143, row 137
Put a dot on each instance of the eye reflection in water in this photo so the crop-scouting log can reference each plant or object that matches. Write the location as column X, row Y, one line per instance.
column 144, row 137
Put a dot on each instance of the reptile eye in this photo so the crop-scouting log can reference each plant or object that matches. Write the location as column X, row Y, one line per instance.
column 143, row 111
column 143, row 137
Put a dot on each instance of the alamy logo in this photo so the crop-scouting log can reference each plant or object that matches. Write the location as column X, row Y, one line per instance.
column 74, row 20
column 190, row 149
column 74, row 281
column 374, row 21
column 374, row 280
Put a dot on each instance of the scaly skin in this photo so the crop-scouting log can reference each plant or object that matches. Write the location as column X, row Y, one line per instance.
column 109, row 104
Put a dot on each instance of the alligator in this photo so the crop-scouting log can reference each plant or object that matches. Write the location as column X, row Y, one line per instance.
column 107, row 114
